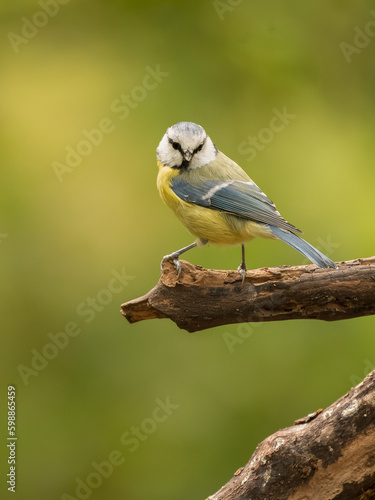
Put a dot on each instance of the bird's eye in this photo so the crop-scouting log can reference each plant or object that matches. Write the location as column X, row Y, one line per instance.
column 197, row 149
column 175, row 145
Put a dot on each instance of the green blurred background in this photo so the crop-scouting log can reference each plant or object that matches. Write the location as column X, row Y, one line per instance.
column 228, row 67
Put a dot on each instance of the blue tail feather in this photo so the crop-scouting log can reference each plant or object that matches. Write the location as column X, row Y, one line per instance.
column 303, row 247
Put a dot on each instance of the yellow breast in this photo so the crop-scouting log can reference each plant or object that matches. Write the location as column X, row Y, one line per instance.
column 212, row 225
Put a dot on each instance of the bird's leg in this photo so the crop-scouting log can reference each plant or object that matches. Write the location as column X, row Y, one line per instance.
column 242, row 267
column 175, row 256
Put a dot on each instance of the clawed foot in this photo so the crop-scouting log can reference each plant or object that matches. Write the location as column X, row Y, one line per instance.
column 242, row 270
column 175, row 256
column 176, row 262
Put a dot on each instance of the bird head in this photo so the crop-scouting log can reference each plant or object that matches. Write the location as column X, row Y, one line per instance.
column 186, row 145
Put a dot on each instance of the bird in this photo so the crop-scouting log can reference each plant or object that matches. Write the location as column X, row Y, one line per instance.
column 216, row 200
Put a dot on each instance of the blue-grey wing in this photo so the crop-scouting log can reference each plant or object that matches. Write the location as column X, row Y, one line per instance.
column 242, row 199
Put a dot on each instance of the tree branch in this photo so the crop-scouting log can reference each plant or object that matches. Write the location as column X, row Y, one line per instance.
column 204, row 298
column 328, row 455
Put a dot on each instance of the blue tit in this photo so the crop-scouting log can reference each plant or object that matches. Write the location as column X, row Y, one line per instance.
column 216, row 200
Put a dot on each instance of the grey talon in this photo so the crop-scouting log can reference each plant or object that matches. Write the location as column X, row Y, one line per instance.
column 176, row 262
column 242, row 273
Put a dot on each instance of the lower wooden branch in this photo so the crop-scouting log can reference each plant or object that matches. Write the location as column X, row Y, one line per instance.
column 327, row 455
column 204, row 298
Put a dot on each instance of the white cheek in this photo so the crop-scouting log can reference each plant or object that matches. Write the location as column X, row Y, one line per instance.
column 167, row 155
column 207, row 155
column 170, row 157
column 174, row 158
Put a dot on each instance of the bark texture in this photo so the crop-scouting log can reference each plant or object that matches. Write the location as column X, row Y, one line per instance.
column 327, row 455
column 204, row 298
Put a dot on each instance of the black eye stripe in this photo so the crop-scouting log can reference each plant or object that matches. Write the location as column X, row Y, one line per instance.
column 198, row 148
column 175, row 145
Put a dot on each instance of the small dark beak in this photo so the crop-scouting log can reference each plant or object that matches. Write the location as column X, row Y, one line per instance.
column 188, row 155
